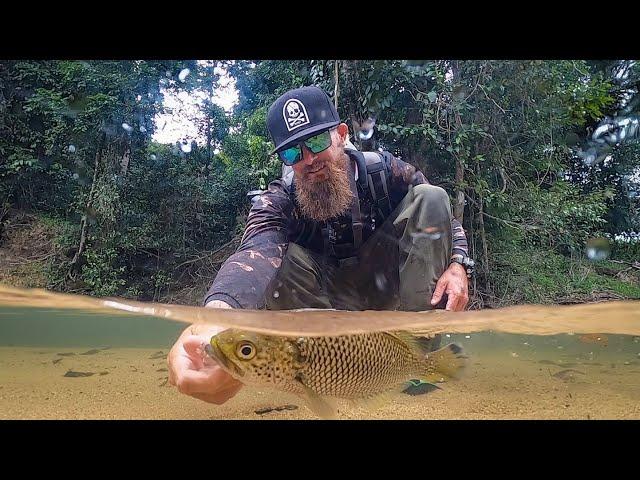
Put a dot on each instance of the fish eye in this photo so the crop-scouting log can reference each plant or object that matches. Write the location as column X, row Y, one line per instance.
column 246, row 351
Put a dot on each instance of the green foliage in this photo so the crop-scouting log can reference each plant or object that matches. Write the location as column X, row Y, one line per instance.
column 75, row 142
column 538, row 276
column 102, row 273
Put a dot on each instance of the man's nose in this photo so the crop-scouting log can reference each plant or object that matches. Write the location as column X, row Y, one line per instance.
column 307, row 155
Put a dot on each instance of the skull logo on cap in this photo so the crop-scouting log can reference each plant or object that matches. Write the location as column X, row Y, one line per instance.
column 295, row 114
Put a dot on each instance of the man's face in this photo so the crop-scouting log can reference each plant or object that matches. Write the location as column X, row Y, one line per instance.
column 323, row 189
column 314, row 167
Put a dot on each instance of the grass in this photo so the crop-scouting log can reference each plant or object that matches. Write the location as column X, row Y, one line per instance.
column 538, row 276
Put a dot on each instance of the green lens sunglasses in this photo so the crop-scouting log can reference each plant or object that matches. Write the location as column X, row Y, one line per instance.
column 315, row 144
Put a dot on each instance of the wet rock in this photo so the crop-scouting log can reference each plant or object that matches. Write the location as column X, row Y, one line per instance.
column 71, row 373
column 263, row 411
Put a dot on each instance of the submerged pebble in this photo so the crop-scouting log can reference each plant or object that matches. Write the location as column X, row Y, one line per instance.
column 265, row 410
column 567, row 375
column 71, row 373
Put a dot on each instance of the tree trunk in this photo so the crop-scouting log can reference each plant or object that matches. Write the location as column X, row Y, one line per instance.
column 83, row 221
column 337, row 89
column 124, row 163
column 483, row 237
column 458, row 207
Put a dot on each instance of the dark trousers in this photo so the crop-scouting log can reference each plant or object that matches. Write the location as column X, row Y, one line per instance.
column 397, row 269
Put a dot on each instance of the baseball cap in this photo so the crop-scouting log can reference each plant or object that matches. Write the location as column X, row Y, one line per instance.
column 299, row 114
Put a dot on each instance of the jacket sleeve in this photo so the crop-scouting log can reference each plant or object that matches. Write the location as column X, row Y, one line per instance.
column 244, row 277
column 404, row 175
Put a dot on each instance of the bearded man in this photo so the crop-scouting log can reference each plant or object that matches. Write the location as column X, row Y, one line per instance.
column 341, row 229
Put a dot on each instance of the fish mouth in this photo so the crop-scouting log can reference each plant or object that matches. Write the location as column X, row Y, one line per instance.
column 214, row 351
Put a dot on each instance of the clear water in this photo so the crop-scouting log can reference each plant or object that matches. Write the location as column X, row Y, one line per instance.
column 118, row 370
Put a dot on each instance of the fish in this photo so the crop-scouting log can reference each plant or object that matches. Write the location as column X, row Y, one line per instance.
column 568, row 375
column 366, row 369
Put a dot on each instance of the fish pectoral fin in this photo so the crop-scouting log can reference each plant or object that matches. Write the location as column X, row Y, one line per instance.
column 324, row 407
column 444, row 364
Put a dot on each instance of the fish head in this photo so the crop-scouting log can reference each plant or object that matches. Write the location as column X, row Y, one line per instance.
column 253, row 357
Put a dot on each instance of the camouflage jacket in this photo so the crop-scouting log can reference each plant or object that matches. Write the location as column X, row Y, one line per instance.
column 274, row 220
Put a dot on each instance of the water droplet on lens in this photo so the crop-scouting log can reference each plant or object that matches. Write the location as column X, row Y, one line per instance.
column 598, row 249
column 430, row 233
column 381, row 281
column 184, row 73
column 365, row 129
column 365, row 134
column 127, row 127
column 415, row 66
column 415, row 63
column 72, row 149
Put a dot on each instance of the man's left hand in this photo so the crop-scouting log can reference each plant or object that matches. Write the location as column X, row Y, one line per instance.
column 455, row 284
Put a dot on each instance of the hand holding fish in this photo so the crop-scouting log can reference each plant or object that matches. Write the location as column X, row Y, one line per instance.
column 196, row 374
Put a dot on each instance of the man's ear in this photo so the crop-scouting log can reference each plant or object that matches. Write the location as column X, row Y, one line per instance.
column 343, row 131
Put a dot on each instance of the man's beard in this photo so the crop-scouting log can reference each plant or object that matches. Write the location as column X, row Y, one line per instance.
column 328, row 198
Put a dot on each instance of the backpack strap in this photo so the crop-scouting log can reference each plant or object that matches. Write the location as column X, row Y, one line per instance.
column 287, row 175
column 377, row 181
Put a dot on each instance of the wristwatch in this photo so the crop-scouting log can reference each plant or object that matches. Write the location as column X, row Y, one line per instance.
column 466, row 262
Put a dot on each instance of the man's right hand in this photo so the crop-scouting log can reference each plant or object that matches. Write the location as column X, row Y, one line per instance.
column 196, row 374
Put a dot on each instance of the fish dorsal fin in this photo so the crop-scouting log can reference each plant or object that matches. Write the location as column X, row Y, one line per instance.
column 323, row 407
column 419, row 345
